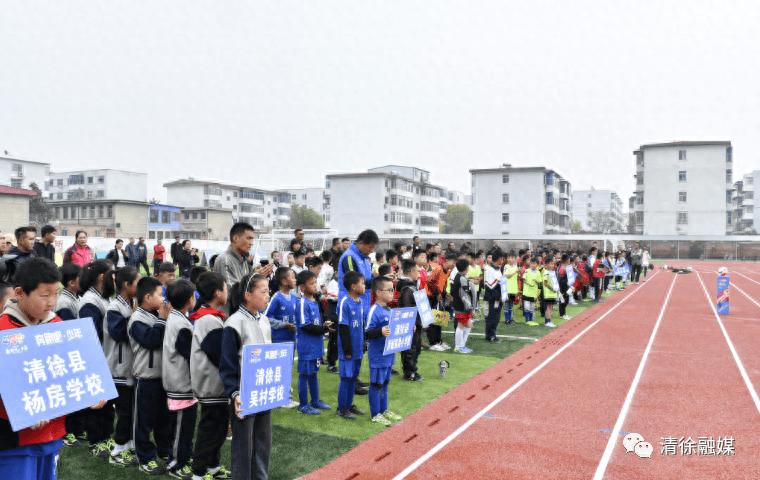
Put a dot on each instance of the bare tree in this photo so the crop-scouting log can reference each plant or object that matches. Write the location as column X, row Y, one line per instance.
column 602, row 222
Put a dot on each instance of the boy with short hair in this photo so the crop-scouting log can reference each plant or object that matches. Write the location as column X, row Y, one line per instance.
column 550, row 294
column 299, row 261
column 31, row 453
column 531, row 280
column 493, row 295
column 380, row 366
column 309, row 344
column 391, row 258
column 512, row 273
column 281, row 311
column 463, row 293
column 406, row 286
column 351, row 345
column 67, row 307
column 146, row 337
column 166, row 275
column 175, row 376
column 208, row 387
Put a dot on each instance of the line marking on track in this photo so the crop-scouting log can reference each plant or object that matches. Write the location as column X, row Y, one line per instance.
column 613, row 441
column 502, row 336
column 610, row 431
column 739, row 364
column 504, row 395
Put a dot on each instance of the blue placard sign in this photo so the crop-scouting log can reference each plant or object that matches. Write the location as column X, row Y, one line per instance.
column 423, row 306
column 51, row 370
column 265, row 376
column 723, row 284
column 402, row 329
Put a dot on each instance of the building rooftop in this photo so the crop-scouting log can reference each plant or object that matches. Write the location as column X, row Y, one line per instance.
column 685, row 144
column 193, row 181
column 381, row 174
column 21, row 159
column 16, row 191
column 80, row 170
column 509, row 169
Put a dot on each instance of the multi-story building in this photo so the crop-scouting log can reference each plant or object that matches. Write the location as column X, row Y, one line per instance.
column 21, row 172
column 683, row 188
column 206, row 223
column 317, row 199
column 520, row 201
column 98, row 184
column 586, row 202
column 741, row 218
column 390, row 199
column 107, row 218
column 264, row 209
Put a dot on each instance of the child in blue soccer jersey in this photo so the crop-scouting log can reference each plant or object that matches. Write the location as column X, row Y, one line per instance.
column 351, row 344
column 310, row 344
column 380, row 366
column 281, row 310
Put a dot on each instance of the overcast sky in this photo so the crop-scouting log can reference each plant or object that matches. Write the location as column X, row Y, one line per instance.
column 279, row 93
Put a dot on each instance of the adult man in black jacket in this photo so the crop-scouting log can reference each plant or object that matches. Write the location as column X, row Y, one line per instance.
column 406, row 286
column 174, row 250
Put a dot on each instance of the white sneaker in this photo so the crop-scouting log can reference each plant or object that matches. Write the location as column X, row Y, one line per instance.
column 291, row 404
column 437, row 348
column 445, row 346
column 550, row 325
column 573, row 302
column 565, row 317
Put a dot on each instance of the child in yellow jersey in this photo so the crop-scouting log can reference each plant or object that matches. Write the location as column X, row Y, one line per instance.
column 531, row 282
column 550, row 294
column 511, row 272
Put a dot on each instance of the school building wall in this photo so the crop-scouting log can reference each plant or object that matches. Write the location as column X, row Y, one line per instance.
column 15, row 212
column 526, row 203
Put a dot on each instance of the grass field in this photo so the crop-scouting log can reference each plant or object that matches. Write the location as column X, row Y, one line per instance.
column 318, row 440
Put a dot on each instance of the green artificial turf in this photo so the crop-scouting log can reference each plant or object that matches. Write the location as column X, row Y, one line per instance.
column 319, row 439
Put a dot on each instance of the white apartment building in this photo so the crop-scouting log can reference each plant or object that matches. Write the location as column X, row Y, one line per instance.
column 98, row 184
column 742, row 216
column 586, row 202
column 264, row 209
column 21, row 172
column 389, row 199
column 683, row 188
column 317, row 199
column 520, row 201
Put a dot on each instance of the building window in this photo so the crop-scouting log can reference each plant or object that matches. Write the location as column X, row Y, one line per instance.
column 50, row 197
column 89, row 179
column 228, row 198
column 729, row 175
column 682, row 154
column 682, row 197
column 97, row 233
column 17, row 168
column 729, row 154
column 640, row 178
column 100, row 211
column 639, row 218
column 110, row 211
column 292, row 197
column 549, row 198
column 682, row 176
column 187, row 216
column 549, row 179
column 728, row 196
column 16, row 182
column 84, row 212
column 588, row 205
column 64, row 232
column 303, row 197
column 203, row 215
column 89, row 193
column 59, row 196
column 504, row 218
column 101, row 179
column 728, row 218
column 504, row 198
column 60, row 182
column 175, row 217
column 100, row 194
column 65, row 213
column 505, row 178
column 749, row 209
column 212, row 190
column 195, row 216
column 640, row 198
column 92, row 214
column 683, row 218
column 151, row 235
column 235, row 194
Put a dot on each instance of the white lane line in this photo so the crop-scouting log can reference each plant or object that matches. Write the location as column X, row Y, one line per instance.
column 739, row 364
column 504, row 395
column 729, row 274
column 501, row 336
column 614, row 436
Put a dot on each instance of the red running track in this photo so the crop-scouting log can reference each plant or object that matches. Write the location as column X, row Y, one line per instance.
column 549, row 402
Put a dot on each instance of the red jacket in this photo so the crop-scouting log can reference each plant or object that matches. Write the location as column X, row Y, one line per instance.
column 597, row 273
column 158, row 252
column 10, row 439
